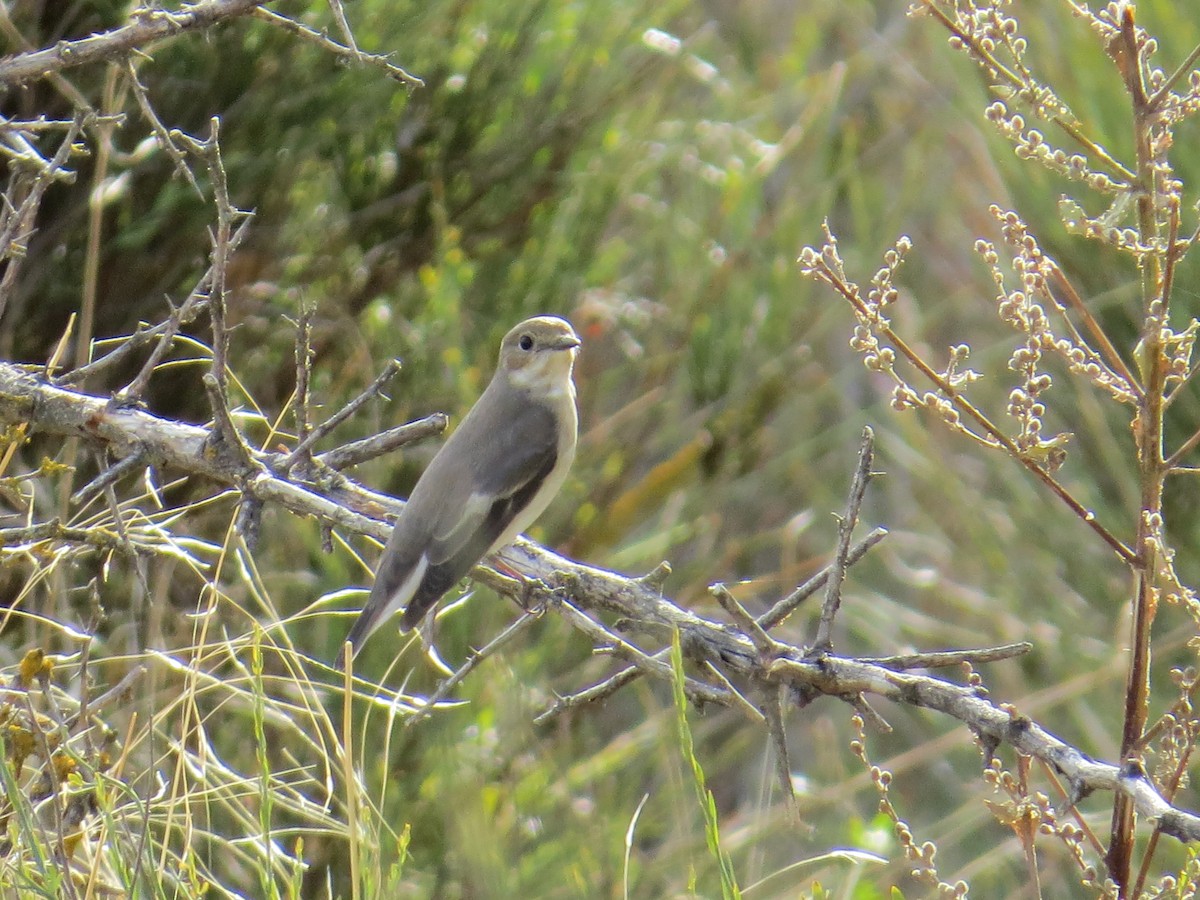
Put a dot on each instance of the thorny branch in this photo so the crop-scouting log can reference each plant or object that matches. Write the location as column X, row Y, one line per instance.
column 581, row 594
column 833, row 590
column 147, row 26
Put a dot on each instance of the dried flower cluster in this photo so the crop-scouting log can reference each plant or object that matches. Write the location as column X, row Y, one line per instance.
column 920, row 855
column 874, row 339
column 1137, row 213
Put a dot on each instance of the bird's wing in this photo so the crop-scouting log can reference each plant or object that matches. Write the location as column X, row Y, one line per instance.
column 504, row 481
column 438, row 539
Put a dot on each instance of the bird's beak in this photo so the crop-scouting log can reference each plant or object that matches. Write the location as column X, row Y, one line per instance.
column 566, row 342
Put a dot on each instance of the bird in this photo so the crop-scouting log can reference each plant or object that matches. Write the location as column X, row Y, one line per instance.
column 493, row 477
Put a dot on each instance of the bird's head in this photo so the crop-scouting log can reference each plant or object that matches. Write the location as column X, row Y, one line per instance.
column 538, row 354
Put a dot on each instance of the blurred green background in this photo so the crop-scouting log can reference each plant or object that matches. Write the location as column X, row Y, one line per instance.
column 651, row 171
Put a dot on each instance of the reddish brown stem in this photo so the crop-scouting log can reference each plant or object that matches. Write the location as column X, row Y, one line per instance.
column 1148, row 433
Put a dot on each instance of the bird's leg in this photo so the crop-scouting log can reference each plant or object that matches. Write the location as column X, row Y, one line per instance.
column 528, row 592
column 506, row 570
column 534, row 595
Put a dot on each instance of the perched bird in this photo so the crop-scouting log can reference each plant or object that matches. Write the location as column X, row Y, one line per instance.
column 497, row 472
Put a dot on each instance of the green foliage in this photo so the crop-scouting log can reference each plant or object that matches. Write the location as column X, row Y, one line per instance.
column 712, row 826
column 651, row 171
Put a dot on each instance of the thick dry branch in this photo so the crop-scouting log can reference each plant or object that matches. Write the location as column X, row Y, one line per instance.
column 847, row 679
column 147, row 26
column 126, row 432
column 835, row 675
column 587, row 590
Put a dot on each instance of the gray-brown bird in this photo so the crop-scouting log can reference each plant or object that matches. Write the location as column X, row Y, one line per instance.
column 497, row 472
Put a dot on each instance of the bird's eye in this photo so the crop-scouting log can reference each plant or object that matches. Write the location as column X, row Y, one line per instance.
column 526, row 342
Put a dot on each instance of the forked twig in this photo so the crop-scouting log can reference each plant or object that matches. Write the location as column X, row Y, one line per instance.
column 302, row 448
column 837, row 574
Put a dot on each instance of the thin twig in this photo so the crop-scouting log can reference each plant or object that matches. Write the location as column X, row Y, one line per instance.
column 210, row 150
column 161, row 133
column 302, row 448
column 1115, row 362
column 339, row 16
column 766, row 645
column 1003, row 74
column 1072, row 805
column 946, row 658
column 325, row 43
column 600, row 691
column 1170, row 789
column 110, row 475
column 20, row 223
column 197, row 301
column 772, row 708
column 1183, row 69
column 470, row 665
column 119, row 690
column 249, row 521
column 304, row 361
column 785, row 607
column 224, row 434
column 357, row 452
column 697, row 691
column 1185, row 448
column 870, row 715
column 837, row 574
column 748, row 709
column 1085, row 515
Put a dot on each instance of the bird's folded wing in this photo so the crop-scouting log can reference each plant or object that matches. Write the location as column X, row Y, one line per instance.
column 466, row 533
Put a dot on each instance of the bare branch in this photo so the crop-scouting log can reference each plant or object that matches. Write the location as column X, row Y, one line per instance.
column 166, row 332
column 161, row 132
column 50, row 409
column 785, row 607
column 146, row 27
column 471, row 664
column 110, row 475
column 763, row 642
column 18, row 222
column 350, row 52
column 833, row 587
column 385, row 442
column 943, row 659
column 381, row 380
column 773, row 707
column 304, row 361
